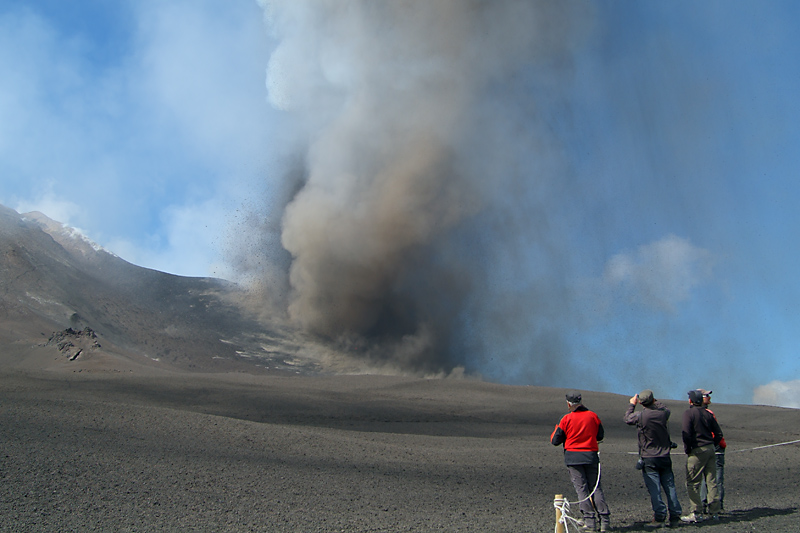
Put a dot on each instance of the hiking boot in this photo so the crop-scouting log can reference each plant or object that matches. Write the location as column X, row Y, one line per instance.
column 692, row 518
column 655, row 524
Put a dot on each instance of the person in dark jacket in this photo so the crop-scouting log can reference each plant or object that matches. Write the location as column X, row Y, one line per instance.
column 579, row 431
column 701, row 434
column 720, row 462
column 654, row 447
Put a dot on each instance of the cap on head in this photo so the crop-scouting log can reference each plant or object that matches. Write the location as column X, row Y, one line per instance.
column 574, row 397
column 696, row 397
column 646, row 397
column 705, row 392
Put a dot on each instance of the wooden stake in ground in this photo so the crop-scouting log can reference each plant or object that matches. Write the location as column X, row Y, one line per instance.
column 559, row 524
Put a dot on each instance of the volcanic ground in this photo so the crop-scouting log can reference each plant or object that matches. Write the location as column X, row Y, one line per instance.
column 132, row 400
column 101, row 443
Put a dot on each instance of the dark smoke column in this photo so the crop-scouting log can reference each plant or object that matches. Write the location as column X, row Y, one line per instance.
column 385, row 94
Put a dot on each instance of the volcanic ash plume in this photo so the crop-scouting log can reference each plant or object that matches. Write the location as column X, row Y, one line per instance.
column 387, row 96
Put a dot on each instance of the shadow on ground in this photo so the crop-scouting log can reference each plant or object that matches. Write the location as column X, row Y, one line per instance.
column 742, row 516
column 749, row 515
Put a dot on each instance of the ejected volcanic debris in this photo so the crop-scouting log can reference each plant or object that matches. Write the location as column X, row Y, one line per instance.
column 390, row 229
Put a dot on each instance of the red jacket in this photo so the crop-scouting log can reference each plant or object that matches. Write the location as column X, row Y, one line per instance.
column 579, row 432
column 722, row 444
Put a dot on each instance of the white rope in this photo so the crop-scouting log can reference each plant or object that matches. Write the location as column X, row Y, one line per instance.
column 597, row 484
column 564, row 504
column 733, row 451
column 767, row 446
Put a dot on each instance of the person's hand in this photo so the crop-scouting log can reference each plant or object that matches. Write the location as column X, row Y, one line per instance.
column 634, row 399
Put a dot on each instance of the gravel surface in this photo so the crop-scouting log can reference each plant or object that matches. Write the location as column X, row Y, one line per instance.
column 121, row 451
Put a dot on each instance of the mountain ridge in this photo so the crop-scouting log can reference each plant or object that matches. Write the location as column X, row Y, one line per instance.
column 52, row 278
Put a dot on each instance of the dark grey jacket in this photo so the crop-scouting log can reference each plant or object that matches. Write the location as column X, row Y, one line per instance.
column 651, row 422
column 699, row 428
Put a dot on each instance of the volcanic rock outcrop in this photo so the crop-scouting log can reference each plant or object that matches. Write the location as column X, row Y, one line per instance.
column 73, row 343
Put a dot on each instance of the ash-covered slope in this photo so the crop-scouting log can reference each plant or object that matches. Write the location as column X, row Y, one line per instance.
column 51, row 278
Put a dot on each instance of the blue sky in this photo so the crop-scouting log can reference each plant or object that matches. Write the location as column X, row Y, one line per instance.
column 143, row 124
column 147, row 125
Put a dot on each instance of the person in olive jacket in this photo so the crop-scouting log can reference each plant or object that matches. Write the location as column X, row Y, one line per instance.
column 720, row 453
column 701, row 434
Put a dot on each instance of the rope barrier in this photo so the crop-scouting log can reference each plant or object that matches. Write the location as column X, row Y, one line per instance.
column 766, row 446
column 729, row 451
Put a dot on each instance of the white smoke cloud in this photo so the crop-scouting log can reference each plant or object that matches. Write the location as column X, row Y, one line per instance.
column 191, row 235
column 196, row 64
column 57, row 209
column 169, row 124
column 778, row 393
column 660, row 275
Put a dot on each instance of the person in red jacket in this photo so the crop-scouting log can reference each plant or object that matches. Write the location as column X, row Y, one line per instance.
column 579, row 431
